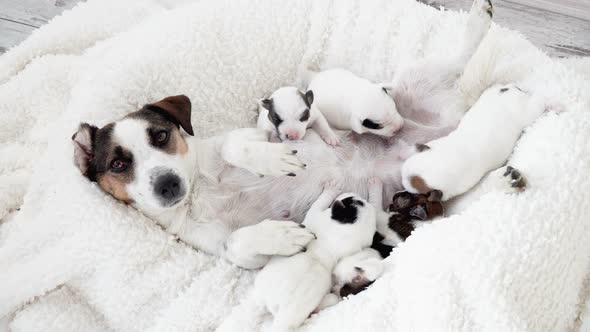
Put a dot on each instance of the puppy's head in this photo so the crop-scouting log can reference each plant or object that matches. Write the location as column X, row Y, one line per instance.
column 374, row 111
column 143, row 158
column 417, row 206
column 351, row 225
column 289, row 110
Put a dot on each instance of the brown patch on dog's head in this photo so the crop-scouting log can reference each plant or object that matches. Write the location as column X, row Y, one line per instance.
column 103, row 160
column 419, row 184
column 165, row 118
column 115, row 186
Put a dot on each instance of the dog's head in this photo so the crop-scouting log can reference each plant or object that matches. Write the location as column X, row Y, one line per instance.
column 374, row 111
column 289, row 112
column 142, row 159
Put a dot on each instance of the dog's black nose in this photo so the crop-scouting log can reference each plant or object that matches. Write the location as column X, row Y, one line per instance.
column 169, row 189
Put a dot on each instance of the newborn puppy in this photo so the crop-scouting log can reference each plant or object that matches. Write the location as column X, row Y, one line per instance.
column 289, row 112
column 481, row 143
column 408, row 211
column 292, row 287
column 349, row 102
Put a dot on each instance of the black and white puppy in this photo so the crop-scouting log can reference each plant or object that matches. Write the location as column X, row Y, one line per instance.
column 350, row 102
column 289, row 112
column 291, row 288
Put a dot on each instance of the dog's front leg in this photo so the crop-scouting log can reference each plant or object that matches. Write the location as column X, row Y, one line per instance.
column 251, row 247
column 249, row 148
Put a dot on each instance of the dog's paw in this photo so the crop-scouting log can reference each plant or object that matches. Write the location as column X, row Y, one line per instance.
column 514, row 179
column 331, row 139
column 263, row 158
column 483, row 8
column 283, row 238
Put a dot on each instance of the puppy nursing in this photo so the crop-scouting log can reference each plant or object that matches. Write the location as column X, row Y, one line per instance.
column 288, row 113
column 481, row 143
column 291, row 288
column 353, row 103
column 335, row 98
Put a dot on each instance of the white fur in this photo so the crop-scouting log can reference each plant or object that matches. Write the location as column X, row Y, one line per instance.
column 289, row 105
column 292, row 287
column 346, row 100
column 507, row 263
column 481, row 143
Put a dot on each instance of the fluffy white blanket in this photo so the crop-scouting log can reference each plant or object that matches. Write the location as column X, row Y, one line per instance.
column 73, row 259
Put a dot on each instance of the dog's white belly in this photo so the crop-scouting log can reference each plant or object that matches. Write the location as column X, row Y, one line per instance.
column 242, row 198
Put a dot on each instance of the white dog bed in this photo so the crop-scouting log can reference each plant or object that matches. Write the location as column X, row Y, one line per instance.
column 74, row 259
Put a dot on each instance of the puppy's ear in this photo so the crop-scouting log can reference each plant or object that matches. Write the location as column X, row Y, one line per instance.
column 266, row 103
column 419, row 212
column 309, row 97
column 344, row 213
column 178, row 110
column 401, row 200
column 386, row 87
column 83, row 141
column 435, row 196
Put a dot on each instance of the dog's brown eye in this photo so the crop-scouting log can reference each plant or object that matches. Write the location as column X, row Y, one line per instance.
column 118, row 165
column 161, row 137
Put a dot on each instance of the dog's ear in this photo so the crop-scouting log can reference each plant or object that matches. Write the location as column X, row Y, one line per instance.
column 266, row 103
column 309, row 97
column 83, row 141
column 401, row 200
column 178, row 109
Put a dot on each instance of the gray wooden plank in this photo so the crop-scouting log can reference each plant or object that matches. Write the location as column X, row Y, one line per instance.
column 33, row 12
column 12, row 33
column 575, row 8
column 558, row 34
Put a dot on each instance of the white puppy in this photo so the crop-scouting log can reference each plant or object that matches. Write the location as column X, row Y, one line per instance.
column 292, row 287
column 481, row 143
column 350, row 102
column 289, row 112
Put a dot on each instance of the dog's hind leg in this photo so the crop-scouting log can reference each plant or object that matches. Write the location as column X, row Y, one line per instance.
column 478, row 24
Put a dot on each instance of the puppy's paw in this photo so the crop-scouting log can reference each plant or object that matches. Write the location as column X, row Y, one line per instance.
column 331, row 139
column 332, row 185
column 284, row 238
column 374, row 182
column 514, row 179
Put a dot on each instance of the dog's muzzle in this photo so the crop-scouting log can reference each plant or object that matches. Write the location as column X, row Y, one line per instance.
column 169, row 189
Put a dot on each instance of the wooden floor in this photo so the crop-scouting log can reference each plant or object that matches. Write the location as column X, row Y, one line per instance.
column 561, row 27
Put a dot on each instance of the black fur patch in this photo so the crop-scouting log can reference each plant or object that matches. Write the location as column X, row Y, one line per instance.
column 345, row 211
column 384, row 250
column 401, row 226
column 368, row 123
column 307, row 98
column 273, row 117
